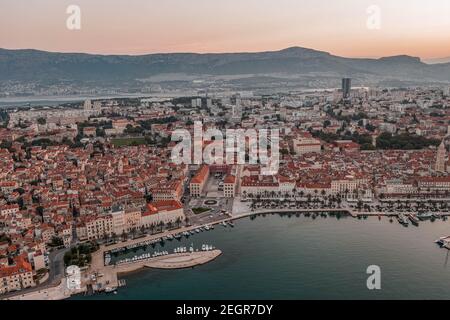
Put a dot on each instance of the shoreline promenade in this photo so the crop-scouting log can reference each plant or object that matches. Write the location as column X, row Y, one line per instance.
column 107, row 276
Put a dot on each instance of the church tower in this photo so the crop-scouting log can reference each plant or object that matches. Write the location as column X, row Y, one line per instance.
column 440, row 158
column 120, row 166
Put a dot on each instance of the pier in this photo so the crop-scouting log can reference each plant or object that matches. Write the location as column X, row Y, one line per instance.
column 110, row 274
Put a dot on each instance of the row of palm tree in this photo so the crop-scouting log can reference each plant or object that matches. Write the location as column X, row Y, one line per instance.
column 334, row 201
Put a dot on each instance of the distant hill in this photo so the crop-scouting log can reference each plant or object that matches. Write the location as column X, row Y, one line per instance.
column 34, row 65
column 438, row 60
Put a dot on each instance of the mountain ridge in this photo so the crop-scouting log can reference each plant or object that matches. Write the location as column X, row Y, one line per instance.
column 38, row 65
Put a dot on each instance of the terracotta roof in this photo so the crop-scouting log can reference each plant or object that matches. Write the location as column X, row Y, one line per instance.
column 163, row 205
column 201, row 175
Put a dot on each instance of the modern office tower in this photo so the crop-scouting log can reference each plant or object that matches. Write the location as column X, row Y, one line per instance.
column 346, row 87
column 209, row 102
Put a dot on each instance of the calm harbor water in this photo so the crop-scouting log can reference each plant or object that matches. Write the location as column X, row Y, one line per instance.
column 275, row 257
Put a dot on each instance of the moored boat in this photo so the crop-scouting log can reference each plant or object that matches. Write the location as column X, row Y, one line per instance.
column 402, row 220
column 413, row 219
column 444, row 242
column 424, row 216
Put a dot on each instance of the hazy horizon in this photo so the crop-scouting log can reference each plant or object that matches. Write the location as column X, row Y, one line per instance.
column 427, row 60
column 406, row 27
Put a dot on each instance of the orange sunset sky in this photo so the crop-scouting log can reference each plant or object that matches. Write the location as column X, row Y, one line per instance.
column 414, row 27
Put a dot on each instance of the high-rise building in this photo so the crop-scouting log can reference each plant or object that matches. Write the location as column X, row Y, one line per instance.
column 236, row 112
column 238, row 101
column 97, row 105
column 208, row 103
column 440, row 158
column 447, row 91
column 87, row 105
column 346, row 87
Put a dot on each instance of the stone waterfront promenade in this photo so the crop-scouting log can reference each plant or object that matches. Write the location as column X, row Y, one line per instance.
column 110, row 274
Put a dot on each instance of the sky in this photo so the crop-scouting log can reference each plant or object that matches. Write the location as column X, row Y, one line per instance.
column 351, row 28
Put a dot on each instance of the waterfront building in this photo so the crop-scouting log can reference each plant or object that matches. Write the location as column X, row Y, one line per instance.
column 265, row 186
column 168, row 211
column 96, row 227
column 132, row 218
column 198, row 181
column 17, row 276
column 125, row 220
column 229, row 186
column 314, row 188
column 346, row 184
column 433, row 184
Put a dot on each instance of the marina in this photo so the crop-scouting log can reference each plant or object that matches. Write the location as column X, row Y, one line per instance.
column 186, row 232
column 307, row 254
column 413, row 219
column 155, row 254
column 115, row 261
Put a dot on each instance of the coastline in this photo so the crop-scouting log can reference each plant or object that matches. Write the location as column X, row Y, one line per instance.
column 110, row 274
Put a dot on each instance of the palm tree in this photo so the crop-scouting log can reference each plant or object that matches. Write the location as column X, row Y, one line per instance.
column 359, row 205
column 178, row 221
